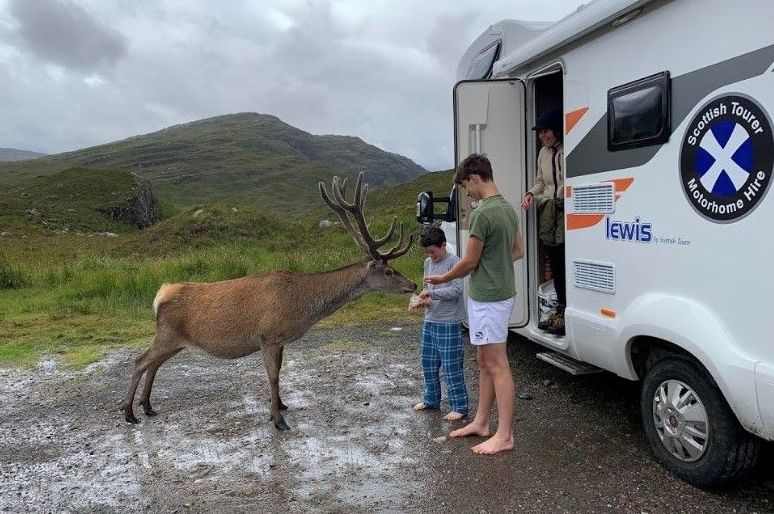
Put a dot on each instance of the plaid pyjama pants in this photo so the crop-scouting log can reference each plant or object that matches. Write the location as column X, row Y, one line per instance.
column 442, row 347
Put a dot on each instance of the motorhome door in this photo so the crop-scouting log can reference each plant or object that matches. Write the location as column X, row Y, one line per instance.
column 489, row 118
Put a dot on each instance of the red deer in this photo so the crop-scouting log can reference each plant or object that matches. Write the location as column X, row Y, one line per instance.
column 235, row 318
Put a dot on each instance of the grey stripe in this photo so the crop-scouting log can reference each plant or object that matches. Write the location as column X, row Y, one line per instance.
column 592, row 156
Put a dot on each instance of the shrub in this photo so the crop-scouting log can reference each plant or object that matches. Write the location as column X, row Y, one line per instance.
column 10, row 278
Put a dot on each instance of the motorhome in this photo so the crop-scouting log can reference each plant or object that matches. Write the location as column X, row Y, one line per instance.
column 668, row 155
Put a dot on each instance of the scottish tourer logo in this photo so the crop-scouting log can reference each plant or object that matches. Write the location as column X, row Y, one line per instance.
column 727, row 157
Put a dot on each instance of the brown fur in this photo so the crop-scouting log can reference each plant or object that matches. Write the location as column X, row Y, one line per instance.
column 234, row 318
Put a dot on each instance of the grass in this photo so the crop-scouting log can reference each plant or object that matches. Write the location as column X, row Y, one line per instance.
column 77, row 295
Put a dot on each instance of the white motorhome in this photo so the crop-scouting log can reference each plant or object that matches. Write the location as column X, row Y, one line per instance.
column 669, row 152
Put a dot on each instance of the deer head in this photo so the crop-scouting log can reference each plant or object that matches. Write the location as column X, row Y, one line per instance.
column 381, row 277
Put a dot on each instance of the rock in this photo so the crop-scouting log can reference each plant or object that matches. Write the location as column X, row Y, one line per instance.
column 525, row 396
column 140, row 209
column 325, row 224
column 197, row 212
column 547, row 382
column 440, row 440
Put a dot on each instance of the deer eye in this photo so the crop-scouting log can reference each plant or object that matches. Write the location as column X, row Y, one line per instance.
column 388, row 271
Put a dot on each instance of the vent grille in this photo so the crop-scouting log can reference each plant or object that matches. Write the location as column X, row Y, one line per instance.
column 597, row 276
column 594, row 199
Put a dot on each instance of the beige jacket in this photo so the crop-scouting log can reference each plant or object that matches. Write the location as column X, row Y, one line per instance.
column 546, row 185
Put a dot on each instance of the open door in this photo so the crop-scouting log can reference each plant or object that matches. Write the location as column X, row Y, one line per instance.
column 489, row 118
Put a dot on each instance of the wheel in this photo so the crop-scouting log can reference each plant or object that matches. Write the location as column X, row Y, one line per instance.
column 690, row 426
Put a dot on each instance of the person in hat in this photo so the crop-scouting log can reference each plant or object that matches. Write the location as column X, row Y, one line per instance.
column 548, row 193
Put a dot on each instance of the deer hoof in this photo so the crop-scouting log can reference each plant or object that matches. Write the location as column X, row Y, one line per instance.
column 282, row 406
column 149, row 411
column 281, row 425
column 130, row 418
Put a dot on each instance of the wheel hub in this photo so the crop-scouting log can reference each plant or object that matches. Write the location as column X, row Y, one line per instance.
column 680, row 420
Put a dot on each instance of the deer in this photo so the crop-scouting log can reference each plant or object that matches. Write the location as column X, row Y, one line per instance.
column 235, row 318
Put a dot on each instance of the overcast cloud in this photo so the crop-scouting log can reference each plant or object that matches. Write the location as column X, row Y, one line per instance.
column 78, row 73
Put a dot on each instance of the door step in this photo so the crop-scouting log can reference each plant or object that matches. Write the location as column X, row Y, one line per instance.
column 568, row 364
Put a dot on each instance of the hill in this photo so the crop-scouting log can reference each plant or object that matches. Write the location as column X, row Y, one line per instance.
column 78, row 200
column 12, row 154
column 245, row 159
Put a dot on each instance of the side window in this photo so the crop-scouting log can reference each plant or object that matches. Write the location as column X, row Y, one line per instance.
column 481, row 67
column 638, row 113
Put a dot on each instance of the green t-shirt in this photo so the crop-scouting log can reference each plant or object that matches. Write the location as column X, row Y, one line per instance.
column 495, row 223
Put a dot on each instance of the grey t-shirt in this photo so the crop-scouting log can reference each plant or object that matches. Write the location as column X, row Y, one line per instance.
column 446, row 305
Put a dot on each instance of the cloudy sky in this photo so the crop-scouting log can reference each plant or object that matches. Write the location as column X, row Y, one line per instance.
column 78, row 73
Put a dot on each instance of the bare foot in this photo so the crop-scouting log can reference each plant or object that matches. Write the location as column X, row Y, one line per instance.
column 472, row 428
column 420, row 406
column 495, row 444
column 454, row 416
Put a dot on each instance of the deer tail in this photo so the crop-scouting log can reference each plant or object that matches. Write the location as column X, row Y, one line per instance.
column 166, row 291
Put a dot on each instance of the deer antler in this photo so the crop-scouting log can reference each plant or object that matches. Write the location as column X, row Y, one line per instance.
column 353, row 212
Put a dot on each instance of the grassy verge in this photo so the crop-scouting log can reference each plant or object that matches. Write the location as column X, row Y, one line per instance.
column 59, row 297
column 77, row 294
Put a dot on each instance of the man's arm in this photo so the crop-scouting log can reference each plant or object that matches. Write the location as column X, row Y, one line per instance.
column 518, row 248
column 450, row 292
column 464, row 266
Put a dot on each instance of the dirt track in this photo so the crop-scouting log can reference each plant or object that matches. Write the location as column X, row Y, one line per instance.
column 355, row 444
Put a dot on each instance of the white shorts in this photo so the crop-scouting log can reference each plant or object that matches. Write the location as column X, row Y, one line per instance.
column 488, row 321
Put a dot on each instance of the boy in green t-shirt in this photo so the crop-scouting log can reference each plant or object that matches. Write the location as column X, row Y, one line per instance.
column 495, row 242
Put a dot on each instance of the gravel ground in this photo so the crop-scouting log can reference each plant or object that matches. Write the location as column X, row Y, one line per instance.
column 355, row 443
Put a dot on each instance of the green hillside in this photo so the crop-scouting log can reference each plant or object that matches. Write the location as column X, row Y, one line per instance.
column 245, row 159
column 74, row 294
column 76, row 200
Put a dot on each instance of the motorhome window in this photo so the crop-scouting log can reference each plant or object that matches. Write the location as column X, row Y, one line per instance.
column 481, row 67
column 638, row 113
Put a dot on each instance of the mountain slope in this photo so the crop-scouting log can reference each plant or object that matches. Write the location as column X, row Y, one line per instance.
column 245, row 159
column 13, row 154
column 74, row 200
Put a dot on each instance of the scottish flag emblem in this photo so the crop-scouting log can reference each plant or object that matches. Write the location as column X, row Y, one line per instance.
column 726, row 158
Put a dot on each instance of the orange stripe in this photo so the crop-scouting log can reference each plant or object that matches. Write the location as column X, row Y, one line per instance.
column 576, row 221
column 610, row 313
column 622, row 184
column 573, row 117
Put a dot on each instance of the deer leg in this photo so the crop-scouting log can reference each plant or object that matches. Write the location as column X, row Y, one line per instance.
column 282, row 406
column 140, row 365
column 270, row 354
column 150, row 375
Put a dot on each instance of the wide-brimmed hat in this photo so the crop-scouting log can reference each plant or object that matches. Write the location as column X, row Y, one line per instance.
column 550, row 119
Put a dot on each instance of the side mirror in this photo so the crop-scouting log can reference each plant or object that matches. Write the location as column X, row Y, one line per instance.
column 425, row 207
column 451, row 207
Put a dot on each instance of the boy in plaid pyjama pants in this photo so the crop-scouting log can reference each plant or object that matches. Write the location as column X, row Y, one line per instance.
column 441, row 346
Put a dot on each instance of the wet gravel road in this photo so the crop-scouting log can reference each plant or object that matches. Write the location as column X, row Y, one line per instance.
column 355, row 443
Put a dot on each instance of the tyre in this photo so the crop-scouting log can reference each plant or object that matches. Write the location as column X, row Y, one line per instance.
column 690, row 426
